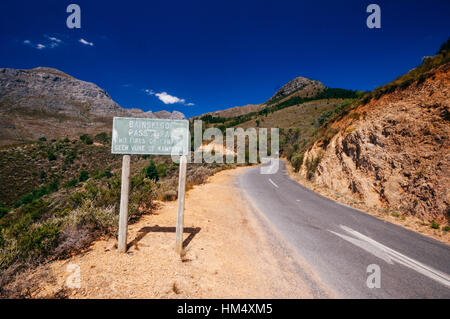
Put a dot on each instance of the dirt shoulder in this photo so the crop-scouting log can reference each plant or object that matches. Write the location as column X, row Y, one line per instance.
column 410, row 222
column 228, row 254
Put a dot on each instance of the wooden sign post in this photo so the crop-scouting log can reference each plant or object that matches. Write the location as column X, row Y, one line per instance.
column 123, row 217
column 150, row 136
column 180, row 210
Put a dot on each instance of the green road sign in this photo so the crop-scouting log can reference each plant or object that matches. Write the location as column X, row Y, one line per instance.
column 150, row 136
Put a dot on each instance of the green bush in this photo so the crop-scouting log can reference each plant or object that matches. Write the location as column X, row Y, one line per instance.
column 86, row 139
column 42, row 139
column 76, row 199
column 53, row 185
column 70, row 157
column 23, row 241
column 161, row 169
column 3, row 210
column 151, row 172
column 435, row 225
column 311, row 166
column 84, row 176
column 71, row 183
column 106, row 173
column 297, row 161
column 102, row 138
column 51, row 156
column 324, row 117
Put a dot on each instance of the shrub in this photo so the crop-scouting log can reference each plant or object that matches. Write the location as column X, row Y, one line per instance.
column 297, row 160
column 324, row 117
column 86, row 139
column 71, row 183
column 311, row 166
column 106, row 173
column 3, row 210
column 70, row 157
column 51, row 156
column 76, row 199
column 151, row 172
column 161, row 169
column 32, row 241
column 84, row 176
column 88, row 214
column 169, row 196
column 102, row 138
column 53, row 185
column 42, row 139
column 435, row 225
column 446, row 228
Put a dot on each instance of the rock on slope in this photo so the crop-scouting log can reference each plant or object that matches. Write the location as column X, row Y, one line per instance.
column 393, row 152
column 48, row 102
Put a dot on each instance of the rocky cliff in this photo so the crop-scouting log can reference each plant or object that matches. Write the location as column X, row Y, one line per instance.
column 393, row 151
column 48, row 102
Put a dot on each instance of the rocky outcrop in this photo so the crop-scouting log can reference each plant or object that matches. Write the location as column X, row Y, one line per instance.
column 393, row 152
column 303, row 87
column 48, row 102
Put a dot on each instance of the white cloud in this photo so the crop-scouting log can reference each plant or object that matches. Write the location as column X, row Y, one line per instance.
column 54, row 39
column 167, row 98
column 86, row 42
column 52, row 42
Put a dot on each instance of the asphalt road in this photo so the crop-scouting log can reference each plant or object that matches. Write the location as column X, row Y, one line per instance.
column 339, row 242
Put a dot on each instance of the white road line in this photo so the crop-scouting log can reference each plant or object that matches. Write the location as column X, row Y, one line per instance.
column 270, row 180
column 391, row 256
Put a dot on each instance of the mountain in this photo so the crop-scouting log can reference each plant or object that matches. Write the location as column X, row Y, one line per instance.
column 390, row 150
column 299, row 87
column 47, row 102
column 302, row 87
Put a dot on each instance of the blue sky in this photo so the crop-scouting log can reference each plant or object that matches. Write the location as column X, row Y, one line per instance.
column 199, row 56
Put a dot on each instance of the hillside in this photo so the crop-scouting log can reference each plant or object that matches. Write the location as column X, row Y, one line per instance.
column 391, row 150
column 299, row 87
column 47, row 102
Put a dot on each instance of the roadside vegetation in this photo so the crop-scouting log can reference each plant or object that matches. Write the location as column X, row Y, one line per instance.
column 54, row 207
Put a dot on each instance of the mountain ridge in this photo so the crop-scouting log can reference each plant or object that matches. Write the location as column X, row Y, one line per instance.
column 301, row 87
column 48, row 102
